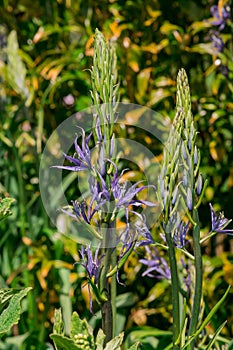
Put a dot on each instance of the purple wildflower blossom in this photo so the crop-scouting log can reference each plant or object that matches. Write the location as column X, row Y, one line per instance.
column 137, row 232
column 82, row 211
column 83, row 159
column 92, row 266
column 85, row 212
column 124, row 196
column 143, row 233
column 220, row 18
column 115, row 196
column 218, row 223
column 180, row 234
column 157, row 266
column 217, row 42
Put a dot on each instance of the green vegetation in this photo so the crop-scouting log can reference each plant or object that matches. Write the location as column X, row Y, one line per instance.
column 46, row 59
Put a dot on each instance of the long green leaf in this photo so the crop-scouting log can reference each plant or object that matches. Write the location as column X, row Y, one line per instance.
column 209, row 347
column 208, row 318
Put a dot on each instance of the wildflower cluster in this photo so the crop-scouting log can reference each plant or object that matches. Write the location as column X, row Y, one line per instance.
column 110, row 198
column 180, row 184
column 179, row 192
column 221, row 15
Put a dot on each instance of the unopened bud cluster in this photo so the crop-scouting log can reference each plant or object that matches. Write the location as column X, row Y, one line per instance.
column 180, row 184
column 82, row 341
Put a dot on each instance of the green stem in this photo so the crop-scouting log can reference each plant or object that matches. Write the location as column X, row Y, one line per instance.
column 26, row 275
column 106, row 306
column 114, row 294
column 108, row 290
column 175, row 291
column 198, row 278
column 210, row 235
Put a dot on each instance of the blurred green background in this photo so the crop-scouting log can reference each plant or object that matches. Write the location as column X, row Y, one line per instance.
column 45, row 53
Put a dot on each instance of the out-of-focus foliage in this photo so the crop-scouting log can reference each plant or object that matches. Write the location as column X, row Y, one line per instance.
column 45, row 54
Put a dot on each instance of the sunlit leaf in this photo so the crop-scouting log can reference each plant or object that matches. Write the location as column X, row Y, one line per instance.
column 158, row 95
column 142, row 83
column 153, row 13
column 117, row 28
column 16, row 70
column 168, row 27
column 204, row 48
column 198, row 26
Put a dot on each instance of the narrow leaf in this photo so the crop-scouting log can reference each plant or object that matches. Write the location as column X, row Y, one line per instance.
column 208, row 318
column 209, row 347
column 212, row 312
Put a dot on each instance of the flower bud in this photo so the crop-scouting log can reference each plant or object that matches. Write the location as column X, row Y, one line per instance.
column 199, row 184
column 189, row 199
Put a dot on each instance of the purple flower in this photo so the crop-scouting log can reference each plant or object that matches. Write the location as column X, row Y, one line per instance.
column 82, row 211
column 217, row 41
column 143, row 233
column 124, row 197
column 180, row 234
column 157, row 266
column 91, row 264
column 220, row 18
column 218, row 223
column 136, row 232
column 83, row 159
column 114, row 196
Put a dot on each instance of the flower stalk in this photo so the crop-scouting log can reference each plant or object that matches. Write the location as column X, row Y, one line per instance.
column 180, row 187
column 198, row 278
